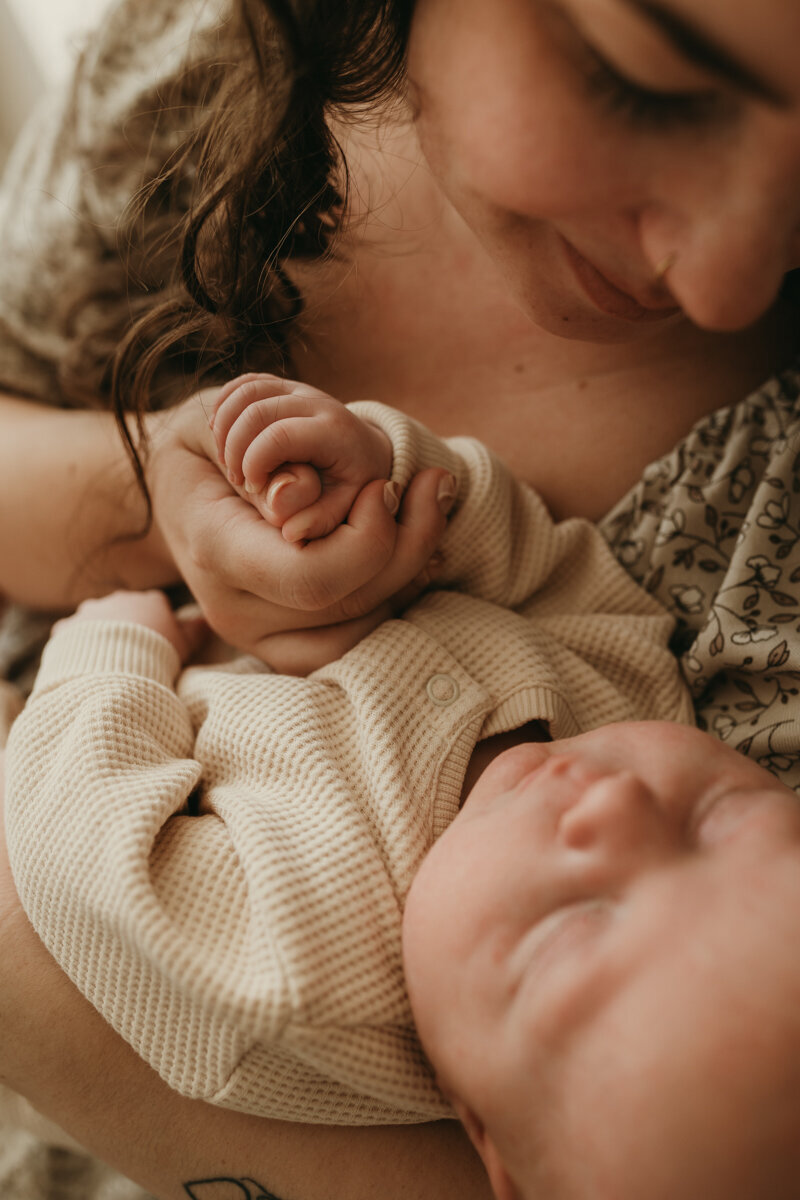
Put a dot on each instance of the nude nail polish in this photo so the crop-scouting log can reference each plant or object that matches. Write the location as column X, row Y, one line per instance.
column 446, row 494
column 391, row 497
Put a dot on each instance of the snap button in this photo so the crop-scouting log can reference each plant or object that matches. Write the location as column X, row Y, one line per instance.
column 443, row 690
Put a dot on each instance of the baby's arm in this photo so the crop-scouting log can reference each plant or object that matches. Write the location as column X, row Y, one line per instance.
column 163, row 841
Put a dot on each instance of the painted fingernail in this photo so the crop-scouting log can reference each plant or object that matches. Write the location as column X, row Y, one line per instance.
column 391, row 497
column 446, row 494
column 277, row 486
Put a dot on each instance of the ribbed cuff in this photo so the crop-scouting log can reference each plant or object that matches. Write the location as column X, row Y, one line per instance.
column 107, row 648
column 399, row 430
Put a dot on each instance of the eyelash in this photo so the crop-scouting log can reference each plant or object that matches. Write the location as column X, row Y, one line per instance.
column 645, row 109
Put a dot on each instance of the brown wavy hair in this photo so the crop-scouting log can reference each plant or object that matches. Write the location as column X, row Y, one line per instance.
column 196, row 289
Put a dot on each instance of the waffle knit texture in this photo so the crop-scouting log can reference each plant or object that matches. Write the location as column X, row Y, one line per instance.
column 221, row 866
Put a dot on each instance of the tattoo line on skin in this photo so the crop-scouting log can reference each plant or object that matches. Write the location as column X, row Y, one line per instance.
column 226, row 1188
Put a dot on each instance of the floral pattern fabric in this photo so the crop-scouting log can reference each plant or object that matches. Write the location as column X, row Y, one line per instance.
column 713, row 531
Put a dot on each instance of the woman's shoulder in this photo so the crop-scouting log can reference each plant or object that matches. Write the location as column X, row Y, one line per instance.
column 739, row 446
column 713, row 532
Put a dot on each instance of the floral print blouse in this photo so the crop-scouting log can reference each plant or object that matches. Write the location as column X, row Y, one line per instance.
column 713, row 531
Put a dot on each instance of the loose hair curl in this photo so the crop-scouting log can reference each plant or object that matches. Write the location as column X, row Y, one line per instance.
column 197, row 290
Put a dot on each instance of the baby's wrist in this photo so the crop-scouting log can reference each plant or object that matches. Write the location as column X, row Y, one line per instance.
column 383, row 451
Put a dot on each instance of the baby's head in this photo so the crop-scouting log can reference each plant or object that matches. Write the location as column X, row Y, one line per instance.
column 603, row 958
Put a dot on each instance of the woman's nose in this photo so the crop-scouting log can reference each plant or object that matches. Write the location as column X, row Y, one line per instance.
column 618, row 816
column 731, row 231
column 729, row 272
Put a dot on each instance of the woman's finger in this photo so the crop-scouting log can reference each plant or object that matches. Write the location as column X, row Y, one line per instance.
column 320, row 576
column 345, row 575
column 294, row 489
column 420, row 526
column 319, row 519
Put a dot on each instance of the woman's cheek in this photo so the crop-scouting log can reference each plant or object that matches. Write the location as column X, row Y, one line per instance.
column 504, row 113
column 538, row 148
column 545, row 163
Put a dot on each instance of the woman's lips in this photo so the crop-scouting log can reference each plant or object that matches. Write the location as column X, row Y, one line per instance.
column 610, row 299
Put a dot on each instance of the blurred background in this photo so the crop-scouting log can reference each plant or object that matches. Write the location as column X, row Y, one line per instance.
column 39, row 40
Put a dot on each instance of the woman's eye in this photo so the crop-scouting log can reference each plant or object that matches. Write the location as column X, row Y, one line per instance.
column 647, row 109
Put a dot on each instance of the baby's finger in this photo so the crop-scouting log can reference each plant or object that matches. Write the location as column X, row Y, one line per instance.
column 277, row 398
column 285, row 439
column 235, row 399
column 267, row 383
column 233, row 385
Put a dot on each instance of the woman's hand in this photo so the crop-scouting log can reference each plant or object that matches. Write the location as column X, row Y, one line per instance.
column 250, row 583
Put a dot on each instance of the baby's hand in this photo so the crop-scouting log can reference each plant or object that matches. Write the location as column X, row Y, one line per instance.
column 302, row 453
column 150, row 609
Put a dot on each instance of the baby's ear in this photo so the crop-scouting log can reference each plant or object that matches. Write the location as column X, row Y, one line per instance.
column 503, row 1186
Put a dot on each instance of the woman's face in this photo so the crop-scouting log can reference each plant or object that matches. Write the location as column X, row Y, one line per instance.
column 619, row 159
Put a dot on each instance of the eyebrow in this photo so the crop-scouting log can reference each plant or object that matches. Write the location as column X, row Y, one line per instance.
column 700, row 50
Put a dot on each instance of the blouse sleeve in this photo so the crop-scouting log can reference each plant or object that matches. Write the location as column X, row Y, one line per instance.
column 74, row 171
